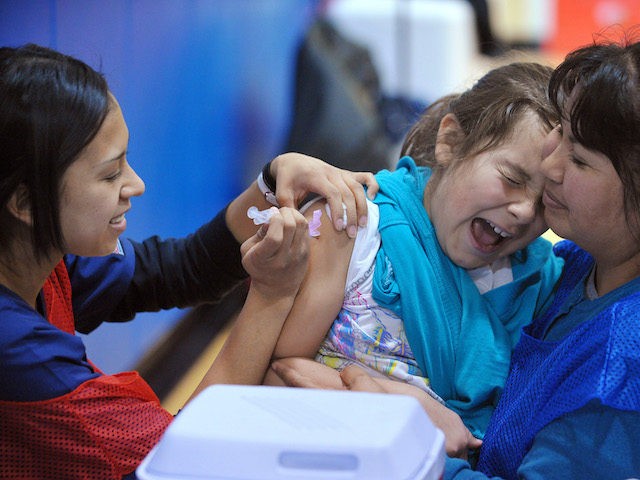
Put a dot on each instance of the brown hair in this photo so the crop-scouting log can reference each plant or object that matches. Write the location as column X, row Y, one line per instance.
column 487, row 112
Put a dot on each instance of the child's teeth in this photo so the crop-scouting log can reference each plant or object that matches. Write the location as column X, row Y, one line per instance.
column 500, row 232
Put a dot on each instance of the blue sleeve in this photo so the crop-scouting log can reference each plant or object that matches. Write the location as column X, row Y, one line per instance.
column 37, row 360
column 595, row 442
column 183, row 272
column 156, row 274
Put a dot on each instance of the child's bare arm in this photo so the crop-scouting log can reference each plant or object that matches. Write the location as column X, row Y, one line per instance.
column 321, row 293
column 304, row 373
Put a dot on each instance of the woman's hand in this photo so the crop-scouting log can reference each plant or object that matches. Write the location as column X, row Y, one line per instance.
column 306, row 373
column 458, row 439
column 297, row 175
column 276, row 256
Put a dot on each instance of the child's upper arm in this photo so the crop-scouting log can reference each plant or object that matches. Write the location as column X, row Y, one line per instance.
column 321, row 293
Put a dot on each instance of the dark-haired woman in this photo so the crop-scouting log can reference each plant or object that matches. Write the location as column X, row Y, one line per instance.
column 570, row 408
column 65, row 189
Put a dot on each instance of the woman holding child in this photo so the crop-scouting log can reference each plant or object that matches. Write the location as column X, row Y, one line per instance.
column 571, row 404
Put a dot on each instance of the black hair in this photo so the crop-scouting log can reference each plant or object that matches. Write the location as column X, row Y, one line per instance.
column 602, row 82
column 51, row 106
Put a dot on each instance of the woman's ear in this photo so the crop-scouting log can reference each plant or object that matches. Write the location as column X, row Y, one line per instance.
column 19, row 204
column 449, row 136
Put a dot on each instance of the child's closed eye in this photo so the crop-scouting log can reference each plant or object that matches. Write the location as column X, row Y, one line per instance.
column 511, row 179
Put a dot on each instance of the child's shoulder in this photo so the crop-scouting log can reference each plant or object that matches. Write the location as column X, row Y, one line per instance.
column 538, row 251
column 539, row 261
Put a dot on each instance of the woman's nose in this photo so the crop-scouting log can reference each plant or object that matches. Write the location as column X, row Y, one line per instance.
column 133, row 185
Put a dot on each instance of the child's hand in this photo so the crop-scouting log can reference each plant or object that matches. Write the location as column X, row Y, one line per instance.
column 276, row 256
column 458, row 439
column 298, row 175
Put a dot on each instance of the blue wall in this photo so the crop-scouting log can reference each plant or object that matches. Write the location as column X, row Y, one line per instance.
column 206, row 88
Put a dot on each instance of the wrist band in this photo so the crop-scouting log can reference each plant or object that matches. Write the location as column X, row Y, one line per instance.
column 267, row 185
column 269, row 181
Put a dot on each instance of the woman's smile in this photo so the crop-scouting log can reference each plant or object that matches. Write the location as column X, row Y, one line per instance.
column 550, row 201
column 119, row 222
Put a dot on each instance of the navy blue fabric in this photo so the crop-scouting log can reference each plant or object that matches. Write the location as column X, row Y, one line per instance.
column 37, row 360
column 98, row 285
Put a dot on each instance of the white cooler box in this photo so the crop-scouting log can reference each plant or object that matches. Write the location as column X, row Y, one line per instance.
column 262, row 433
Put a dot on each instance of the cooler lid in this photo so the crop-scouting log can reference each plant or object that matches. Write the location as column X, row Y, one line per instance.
column 262, row 433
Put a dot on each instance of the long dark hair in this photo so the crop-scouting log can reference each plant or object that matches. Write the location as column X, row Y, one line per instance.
column 51, row 107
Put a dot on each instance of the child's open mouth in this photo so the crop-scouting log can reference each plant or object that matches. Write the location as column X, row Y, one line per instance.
column 486, row 234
